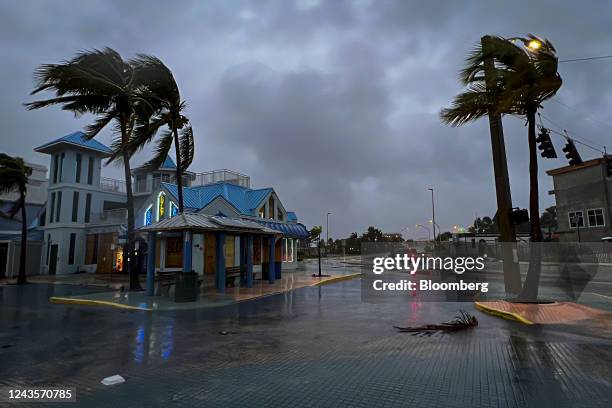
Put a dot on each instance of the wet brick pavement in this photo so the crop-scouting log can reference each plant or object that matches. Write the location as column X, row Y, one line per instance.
column 313, row 347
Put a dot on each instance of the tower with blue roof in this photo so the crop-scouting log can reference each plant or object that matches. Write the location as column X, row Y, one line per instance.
column 74, row 200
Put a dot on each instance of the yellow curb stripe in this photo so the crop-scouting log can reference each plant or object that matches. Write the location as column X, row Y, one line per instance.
column 88, row 302
column 502, row 313
column 336, row 279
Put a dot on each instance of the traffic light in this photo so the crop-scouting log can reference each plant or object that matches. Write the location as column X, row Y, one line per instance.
column 609, row 166
column 571, row 153
column 545, row 144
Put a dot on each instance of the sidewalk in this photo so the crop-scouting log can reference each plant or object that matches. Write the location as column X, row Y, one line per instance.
column 208, row 296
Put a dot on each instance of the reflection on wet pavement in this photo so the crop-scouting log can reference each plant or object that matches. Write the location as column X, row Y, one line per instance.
column 315, row 346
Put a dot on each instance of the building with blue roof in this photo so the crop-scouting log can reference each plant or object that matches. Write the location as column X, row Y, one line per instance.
column 84, row 215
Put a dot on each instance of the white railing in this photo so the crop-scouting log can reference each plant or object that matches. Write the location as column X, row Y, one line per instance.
column 216, row 176
column 113, row 185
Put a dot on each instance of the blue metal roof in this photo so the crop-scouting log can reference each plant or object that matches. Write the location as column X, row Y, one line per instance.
column 244, row 199
column 76, row 138
column 288, row 230
column 291, row 216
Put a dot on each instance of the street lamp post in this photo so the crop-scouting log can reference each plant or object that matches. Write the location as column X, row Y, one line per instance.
column 507, row 232
column 327, row 229
column 433, row 214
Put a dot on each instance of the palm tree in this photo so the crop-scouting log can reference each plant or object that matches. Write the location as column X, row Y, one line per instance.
column 525, row 76
column 14, row 175
column 102, row 83
column 162, row 88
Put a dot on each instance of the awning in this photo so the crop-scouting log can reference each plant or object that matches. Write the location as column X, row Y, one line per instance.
column 289, row 230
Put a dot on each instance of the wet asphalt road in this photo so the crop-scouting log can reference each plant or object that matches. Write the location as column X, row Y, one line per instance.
column 316, row 346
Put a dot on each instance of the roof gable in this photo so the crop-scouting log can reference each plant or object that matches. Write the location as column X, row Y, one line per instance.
column 76, row 139
column 243, row 199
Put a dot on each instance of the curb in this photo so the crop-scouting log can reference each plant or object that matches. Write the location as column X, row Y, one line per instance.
column 87, row 302
column 337, row 279
column 502, row 313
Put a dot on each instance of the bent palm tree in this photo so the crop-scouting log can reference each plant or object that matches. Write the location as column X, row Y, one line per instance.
column 102, row 83
column 524, row 78
column 14, row 175
column 162, row 89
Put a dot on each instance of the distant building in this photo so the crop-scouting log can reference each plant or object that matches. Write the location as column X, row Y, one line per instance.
column 85, row 214
column 582, row 196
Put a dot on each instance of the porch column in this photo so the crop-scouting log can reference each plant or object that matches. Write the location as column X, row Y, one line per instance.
column 249, row 261
column 280, row 262
column 242, row 260
column 187, row 256
column 271, row 262
column 151, row 263
column 220, row 261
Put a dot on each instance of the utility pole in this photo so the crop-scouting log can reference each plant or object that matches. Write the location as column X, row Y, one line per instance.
column 433, row 214
column 507, row 233
column 327, row 232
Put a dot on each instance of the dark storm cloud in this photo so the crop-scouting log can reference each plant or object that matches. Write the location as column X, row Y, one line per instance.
column 333, row 103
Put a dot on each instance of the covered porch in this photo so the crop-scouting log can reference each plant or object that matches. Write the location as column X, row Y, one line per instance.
column 222, row 251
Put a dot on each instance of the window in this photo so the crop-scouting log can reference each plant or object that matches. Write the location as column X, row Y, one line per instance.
column 51, row 219
column 90, row 170
column 288, row 250
column 148, row 215
column 48, row 248
column 71, row 249
column 271, row 208
column 595, row 217
column 87, row 207
column 75, row 206
column 77, row 170
column 262, row 212
column 161, row 206
column 279, row 214
column 576, row 219
column 173, row 209
column 59, row 206
column 55, row 163
column 61, row 167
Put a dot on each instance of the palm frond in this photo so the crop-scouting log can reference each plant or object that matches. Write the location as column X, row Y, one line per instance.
column 161, row 150
column 186, row 147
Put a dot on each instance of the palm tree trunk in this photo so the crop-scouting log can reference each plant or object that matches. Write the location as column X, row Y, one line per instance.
column 128, row 250
column 532, row 281
column 21, row 277
column 179, row 169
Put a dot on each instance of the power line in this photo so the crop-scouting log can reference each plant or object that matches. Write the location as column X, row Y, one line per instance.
column 573, row 109
column 585, row 141
column 586, row 59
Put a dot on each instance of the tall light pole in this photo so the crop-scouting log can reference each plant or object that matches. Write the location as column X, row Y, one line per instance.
column 327, row 230
column 507, row 233
column 433, row 214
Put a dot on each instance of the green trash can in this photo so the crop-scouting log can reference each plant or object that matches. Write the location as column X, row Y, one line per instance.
column 186, row 287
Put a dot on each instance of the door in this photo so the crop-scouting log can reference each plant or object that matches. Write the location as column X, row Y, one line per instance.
column 3, row 259
column 53, row 260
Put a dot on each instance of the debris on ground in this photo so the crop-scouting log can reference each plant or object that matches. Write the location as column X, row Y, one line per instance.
column 113, row 379
column 462, row 321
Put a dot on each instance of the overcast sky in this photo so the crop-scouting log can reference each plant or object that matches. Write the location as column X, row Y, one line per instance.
column 334, row 104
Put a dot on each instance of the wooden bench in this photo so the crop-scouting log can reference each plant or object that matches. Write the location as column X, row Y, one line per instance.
column 165, row 280
column 231, row 273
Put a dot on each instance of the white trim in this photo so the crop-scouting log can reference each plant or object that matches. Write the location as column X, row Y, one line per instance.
column 570, row 219
column 602, row 216
column 144, row 218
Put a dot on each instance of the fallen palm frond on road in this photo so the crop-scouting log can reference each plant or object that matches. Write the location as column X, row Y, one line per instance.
column 462, row 321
